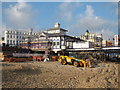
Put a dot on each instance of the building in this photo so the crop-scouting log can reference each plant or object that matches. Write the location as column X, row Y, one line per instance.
column 2, row 42
column 91, row 37
column 39, row 43
column 109, row 43
column 116, row 40
column 56, row 30
column 15, row 37
column 54, row 39
column 104, row 43
column 60, row 40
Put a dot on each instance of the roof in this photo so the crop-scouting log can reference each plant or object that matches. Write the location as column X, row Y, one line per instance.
column 87, row 31
column 56, row 35
column 57, row 29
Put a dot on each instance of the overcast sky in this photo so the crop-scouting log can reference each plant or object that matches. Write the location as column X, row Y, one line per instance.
column 77, row 17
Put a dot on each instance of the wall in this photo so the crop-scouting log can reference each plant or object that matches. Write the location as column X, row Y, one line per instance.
column 81, row 45
column 16, row 37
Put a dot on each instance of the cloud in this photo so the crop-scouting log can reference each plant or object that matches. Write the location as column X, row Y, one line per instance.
column 89, row 21
column 107, row 34
column 2, row 29
column 89, row 11
column 66, row 10
column 19, row 15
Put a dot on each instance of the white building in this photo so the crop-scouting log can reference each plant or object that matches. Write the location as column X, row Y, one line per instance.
column 104, row 43
column 60, row 41
column 56, row 30
column 2, row 41
column 55, row 37
column 15, row 37
column 91, row 37
column 115, row 40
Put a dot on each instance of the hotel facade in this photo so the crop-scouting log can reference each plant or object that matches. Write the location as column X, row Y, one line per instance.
column 96, row 39
column 54, row 39
column 15, row 37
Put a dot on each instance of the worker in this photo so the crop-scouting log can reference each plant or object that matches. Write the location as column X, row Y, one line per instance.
column 46, row 58
column 88, row 61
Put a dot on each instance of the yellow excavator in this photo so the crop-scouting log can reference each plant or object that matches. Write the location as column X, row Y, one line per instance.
column 74, row 61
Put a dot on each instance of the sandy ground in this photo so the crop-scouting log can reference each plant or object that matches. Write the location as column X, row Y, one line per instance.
column 54, row 75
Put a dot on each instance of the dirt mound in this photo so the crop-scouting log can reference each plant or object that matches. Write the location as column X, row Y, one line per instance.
column 55, row 75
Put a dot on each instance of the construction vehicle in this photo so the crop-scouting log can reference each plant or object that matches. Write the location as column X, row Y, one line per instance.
column 74, row 61
column 53, row 58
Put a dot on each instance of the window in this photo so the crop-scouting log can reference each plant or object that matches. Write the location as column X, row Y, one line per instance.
column 87, row 37
column 91, row 37
column 10, row 41
column 7, row 41
column 7, row 36
column 17, row 37
column 17, row 42
column 13, row 42
column 11, row 36
column 54, row 43
column 14, row 36
column 58, row 43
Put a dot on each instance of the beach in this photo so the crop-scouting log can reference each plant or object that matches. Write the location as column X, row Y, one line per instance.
column 34, row 74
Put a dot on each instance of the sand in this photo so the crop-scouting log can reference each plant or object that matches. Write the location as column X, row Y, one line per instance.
column 36, row 74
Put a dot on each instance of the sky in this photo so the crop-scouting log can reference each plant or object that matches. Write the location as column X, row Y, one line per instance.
column 76, row 17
